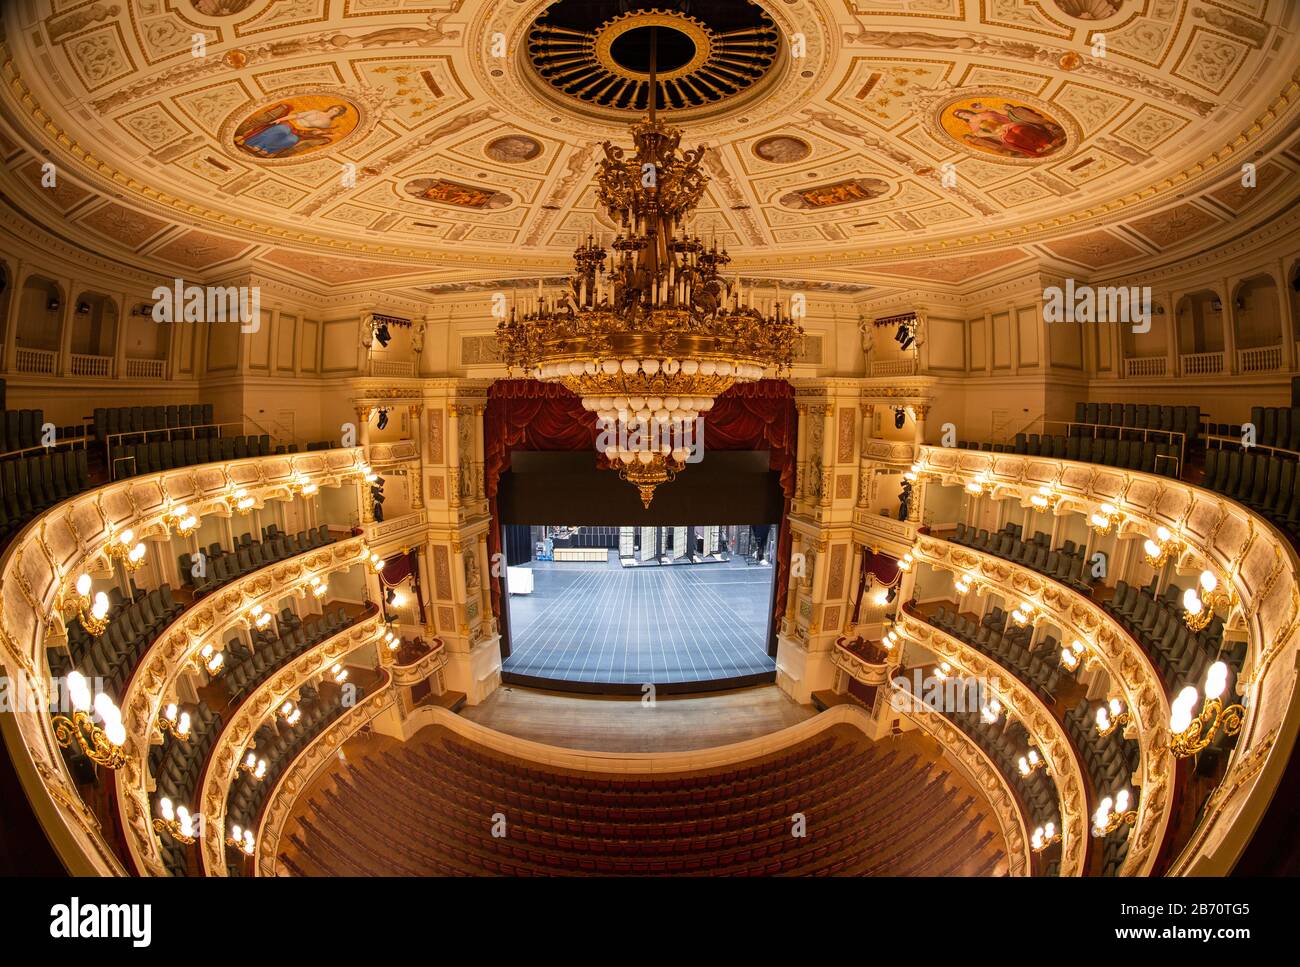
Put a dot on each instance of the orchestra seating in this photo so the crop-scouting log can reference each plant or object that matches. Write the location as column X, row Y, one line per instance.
column 1007, row 644
column 1267, row 484
column 113, row 656
column 1111, row 762
column 1112, row 418
column 1066, row 565
column 132, row 459
column 219, row 566
column 279, row 744
column 153, row 422
column 1275, row 426
column 1145, row 456
column 1180, row 655
column 429, row 807
column 176, row 765
column 246, row 669
column 33, row 484
column 1005, row 742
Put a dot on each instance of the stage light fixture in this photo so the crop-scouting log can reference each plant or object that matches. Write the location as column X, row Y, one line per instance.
column 900, row 417
column 382, row 335
column 383, row 419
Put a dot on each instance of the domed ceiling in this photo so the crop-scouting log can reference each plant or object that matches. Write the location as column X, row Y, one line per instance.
column 354, row 140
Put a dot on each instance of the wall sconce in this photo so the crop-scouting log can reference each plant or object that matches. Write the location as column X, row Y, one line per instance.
column 303, row 487
column 102, row 746
column 892, row 639
column 338, row 673
column 374, row 561
column 1031, row 762
column 172, row 721
column 1112, row 716
column 242, row 840
column 1198, row 609
column 991, row 711
column 121, row 549
column 1160, row 550
column 1190, row 735
column 1043, row 837
column 943, row 671
column 181, row 521
column 175, row 821
column 213, row 661
column 259, row 617
column 318, row 587
column 1046, row 499
column 240, row 501
column 1112, row 814
column 1024, row 614
column 1075, row 653
column 392, row 641
column 290, row 712
column 982, row 483
column 253, row 766
column 916, row 473
column 964, row 584
column 1105, row 519
column 96, row 622
column 906, row 561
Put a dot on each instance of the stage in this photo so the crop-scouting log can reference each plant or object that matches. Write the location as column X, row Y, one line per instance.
column 603, row 627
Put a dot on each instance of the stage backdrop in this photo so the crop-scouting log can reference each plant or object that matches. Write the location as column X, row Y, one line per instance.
column 525, row 414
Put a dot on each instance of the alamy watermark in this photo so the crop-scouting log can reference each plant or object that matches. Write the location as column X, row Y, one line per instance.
column 22, row 695
column 209, row 303
column 942, row 693
column 1130, row 305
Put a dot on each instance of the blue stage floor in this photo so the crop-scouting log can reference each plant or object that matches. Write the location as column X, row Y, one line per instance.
column 605, row 624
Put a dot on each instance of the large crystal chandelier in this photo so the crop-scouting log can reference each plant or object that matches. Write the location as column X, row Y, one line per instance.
column 650, row 334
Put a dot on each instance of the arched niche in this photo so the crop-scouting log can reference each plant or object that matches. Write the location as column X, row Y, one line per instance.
column 1257, row 312
column 94, row 325
column 40, row 309
column 1200, row 322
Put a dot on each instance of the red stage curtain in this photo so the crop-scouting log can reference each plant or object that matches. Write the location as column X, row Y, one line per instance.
column 525, row 414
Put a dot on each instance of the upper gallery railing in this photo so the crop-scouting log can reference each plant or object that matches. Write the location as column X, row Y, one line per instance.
column 1250, row 556
column 70, row 539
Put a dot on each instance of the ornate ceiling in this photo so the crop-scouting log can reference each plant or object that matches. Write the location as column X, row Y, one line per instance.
column 354, row 140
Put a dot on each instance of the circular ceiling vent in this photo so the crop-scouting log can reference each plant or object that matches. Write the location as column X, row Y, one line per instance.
column 705, row 53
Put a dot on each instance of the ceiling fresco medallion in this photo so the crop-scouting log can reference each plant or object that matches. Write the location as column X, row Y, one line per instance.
column 513, row 149
column 444, row 192
column 295, row 126
column 221, row 8
column 782, row 149
column 1011, row 128
column 849, row 192
column 1090, row 10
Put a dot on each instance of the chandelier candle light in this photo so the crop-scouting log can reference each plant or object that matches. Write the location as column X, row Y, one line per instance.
column 650, row 333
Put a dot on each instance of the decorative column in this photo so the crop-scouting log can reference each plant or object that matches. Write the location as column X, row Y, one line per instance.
column 63, row 363
column 1287, row 318
column 415, row 411
column 363, row 426
column 453, row 456
column 1229, row 315
column 921, row 411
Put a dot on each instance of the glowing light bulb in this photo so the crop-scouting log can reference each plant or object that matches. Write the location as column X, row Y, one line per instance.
column 83, row 586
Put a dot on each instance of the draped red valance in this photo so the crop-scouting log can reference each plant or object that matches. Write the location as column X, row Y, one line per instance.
column 883, row 566
column 526, row 414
